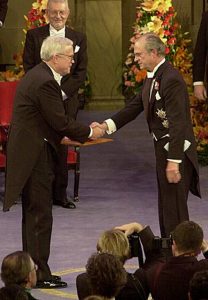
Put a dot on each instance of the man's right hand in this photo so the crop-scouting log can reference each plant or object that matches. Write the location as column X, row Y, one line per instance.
column 97, row 132
column 103, row 125
column 200, row 92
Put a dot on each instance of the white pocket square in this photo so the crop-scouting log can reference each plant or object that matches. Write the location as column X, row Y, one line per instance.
column 76, row 49
column 157, row 96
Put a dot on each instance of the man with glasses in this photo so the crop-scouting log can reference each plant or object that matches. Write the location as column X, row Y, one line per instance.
column 19, row 269
column 39, row 124
column 57, row 13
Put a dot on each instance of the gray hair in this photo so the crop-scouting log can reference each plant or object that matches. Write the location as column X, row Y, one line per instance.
column 57, row 1
column 153, row 42
column 54, row 45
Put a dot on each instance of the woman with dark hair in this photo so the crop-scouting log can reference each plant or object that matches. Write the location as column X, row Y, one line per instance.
column 106, row 275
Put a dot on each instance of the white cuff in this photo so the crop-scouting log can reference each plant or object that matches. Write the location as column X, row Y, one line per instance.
column 91, row 133
column 178, row 161
column 111, row 126
column 198, row 83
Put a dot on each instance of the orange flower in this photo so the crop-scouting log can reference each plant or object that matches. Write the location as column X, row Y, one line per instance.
column 141, row 75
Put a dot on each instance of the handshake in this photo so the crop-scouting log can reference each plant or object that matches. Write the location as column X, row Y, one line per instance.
column 98, row 130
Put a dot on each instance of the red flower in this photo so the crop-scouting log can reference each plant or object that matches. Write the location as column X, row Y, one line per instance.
column 167, row 33
column 167, row 50
column 172, row 41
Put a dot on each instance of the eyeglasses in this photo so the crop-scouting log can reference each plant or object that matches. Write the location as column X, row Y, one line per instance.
column 35, row 267
column 54, row 13
column 70, row 57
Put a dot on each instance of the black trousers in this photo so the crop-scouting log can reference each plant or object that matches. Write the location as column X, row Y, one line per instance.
column 61, row 175
column 61, row 170
column 172, row 197
column 37, row 211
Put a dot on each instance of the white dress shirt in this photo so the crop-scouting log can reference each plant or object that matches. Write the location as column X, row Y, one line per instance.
column 60, row 33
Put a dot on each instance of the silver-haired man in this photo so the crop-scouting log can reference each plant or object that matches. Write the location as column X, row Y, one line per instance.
column 39, row 123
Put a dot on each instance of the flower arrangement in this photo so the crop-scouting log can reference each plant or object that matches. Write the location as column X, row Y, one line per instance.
column 36, row 17
column 16, row 73
column 159, row 16
column 200, row 125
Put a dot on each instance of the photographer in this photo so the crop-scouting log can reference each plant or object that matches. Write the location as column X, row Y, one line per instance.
column 115, row 242
column 169, row 278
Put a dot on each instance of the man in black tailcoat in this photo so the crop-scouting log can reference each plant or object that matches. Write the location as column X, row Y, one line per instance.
column 39, row 123
column 165, row 101
column 57, row 13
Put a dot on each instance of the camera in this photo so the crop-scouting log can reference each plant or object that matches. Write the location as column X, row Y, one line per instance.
column 134, row 243
column 162, row 243
column 135, row 247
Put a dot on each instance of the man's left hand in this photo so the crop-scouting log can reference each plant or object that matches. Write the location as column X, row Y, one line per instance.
column 172, row 172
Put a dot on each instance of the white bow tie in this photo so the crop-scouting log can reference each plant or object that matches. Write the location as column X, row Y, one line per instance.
column 150, row 74
column 54, row 32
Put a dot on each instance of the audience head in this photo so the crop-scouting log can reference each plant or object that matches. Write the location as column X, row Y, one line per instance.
column 58, row 53
column 13, row 292
column 95, row 297
column 57, row 13
column 198, row 287
column 114, row 242
column 187, row 238
column 18, row 268
column 106, row 274
column 149, row 50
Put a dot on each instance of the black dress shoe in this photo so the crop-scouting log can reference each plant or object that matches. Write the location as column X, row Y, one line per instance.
column 66, row 204
column 50, row 284
column 56, row 278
